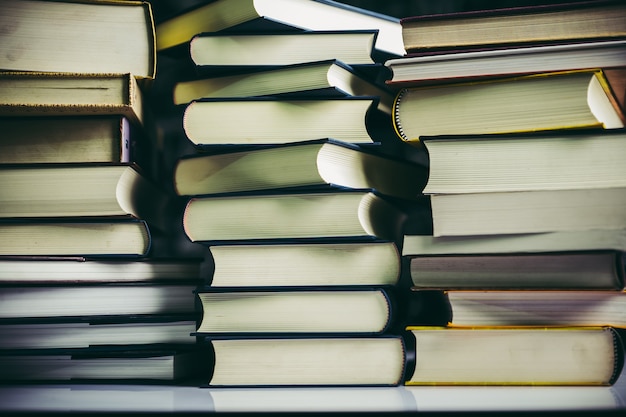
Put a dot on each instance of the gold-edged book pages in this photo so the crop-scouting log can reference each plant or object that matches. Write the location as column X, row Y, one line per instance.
column 515, row 356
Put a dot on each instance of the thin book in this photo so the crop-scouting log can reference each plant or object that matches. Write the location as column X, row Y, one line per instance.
column 455, row 65
column 556, row 23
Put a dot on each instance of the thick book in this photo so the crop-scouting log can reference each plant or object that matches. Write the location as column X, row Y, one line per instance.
column 82, row 334
column 538, row 308
column 576, row 240
column 101, row 300
column 78, row 37
column 81, row 190
column 303, row 164
column 71, row 139
column 212, row 50
column 75, row 237
column 456, row 65
column 258, row 120
column 318, row 79
column 528, row 211
column 515, row 356
column 299, row 216
column 308, row 361
column 424, row 356
column 526, row 162
column 247, row 15
column 592, row 270
column 295, row 311
column 536, row 102
column 290, row 265
column 562, row 22
column 130, row 364
column 70, row 94
column 41, row 270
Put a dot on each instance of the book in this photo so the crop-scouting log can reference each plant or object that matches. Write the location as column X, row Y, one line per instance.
column 528, row 211
column 70, row 139
column 299, row 311
column 308, row 361
column 247, row 15
column 617, row 80
column 591, row 270
column 353, row 214
column 41, row 270
column 212, row 50
column 557, row 23
column 251, row 121
column 459, row 65
column 309, row 164
column 537, row 307
column 71, row 94
column 75, row 237
column 55, row 301
column 526, row 162
column 325, row 78
column 424, row 356
column 89, row 364
column 515, row 356
column 537, row 102
column 94, row 333
column 104, row 190
column 304, row 264
column 573, row 240
column 76, row 37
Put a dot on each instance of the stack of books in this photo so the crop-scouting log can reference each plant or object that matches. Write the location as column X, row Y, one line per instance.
column 83, row 293
column 299, row 200
column 322, row 156
column 301, row 204
column 524, row 131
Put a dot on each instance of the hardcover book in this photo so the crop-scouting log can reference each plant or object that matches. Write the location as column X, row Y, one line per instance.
column 456, row 65
column 312, row 79
column 558, row 22
column 573, row 240
column 262, row 121
column 77, row 37
column 349, row 214
column 75, row 237
column 70, row 94
column 313, row 15
column 570, row 270
column 326, row 163
column 218, row 49
column 296, row 311
column 538, row 307
column 537, row 102
column 574, row 160
column 81, row 190
column 327, row 264
column 71, row 139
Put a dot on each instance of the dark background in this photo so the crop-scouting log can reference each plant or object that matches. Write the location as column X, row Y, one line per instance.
column 395, row 8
